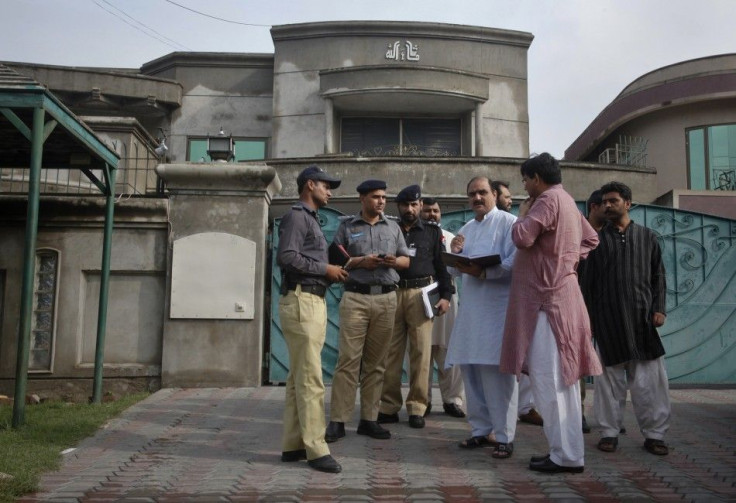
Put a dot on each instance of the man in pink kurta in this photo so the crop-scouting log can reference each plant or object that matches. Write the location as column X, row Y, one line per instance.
column 547, row 330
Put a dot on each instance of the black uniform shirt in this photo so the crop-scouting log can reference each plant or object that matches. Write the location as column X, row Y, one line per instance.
column 302, row 253
column 424, row 240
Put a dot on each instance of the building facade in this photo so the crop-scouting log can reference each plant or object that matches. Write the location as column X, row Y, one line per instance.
column 426, row 103
column 680, row 120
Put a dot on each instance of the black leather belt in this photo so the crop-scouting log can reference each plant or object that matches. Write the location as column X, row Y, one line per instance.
column 415, row 283
column 317, row 290
column 369, row 289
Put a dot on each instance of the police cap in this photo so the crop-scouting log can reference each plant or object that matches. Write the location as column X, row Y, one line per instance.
column 409, row 194
column 314, row 172
column 370, row 186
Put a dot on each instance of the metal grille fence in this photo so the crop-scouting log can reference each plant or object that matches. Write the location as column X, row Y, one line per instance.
column 135, row 177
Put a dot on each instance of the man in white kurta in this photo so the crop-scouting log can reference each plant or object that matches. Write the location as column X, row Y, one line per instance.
column 450, row 380
column 475, row 345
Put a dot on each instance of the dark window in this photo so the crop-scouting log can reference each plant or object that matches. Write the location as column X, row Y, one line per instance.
column 412, row 137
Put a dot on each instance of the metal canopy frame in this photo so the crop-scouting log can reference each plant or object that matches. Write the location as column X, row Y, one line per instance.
column 21, row 98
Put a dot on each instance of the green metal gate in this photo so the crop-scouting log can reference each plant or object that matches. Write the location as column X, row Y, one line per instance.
column 699, row 252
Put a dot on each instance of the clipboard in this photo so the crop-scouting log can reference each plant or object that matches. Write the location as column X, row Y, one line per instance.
column 430, row 297
column 452, row 259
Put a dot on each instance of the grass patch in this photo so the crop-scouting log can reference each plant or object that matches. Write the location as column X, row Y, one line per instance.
column 49, row 428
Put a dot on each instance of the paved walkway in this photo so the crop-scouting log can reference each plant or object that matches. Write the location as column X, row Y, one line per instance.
column 224, row 445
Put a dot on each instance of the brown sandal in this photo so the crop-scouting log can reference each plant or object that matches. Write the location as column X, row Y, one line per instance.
column 608, row 444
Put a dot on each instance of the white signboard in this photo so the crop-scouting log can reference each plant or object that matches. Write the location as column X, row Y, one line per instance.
column 213, row 277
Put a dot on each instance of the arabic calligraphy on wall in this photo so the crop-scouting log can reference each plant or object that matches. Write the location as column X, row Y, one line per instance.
column 407, row 52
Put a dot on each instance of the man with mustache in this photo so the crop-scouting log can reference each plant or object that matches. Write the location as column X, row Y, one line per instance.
column 411, row 324
column 475, row 344
column 377, row 249
column 624, row 284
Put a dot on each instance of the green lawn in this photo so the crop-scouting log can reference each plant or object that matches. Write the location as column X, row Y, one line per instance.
column 49, row 428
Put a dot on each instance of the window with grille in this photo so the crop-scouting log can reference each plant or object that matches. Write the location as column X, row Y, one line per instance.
column 432, row 137
column 43, row 320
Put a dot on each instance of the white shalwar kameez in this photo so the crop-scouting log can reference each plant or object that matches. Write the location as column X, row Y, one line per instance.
column 475, row 345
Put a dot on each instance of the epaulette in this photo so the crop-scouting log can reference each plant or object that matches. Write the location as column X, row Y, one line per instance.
column 391, row 217
column 343, row 218
column 431, row 222
column 297, row 207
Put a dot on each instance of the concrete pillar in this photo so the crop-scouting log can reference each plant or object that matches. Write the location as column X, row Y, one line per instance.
column 478, row 130
column 331, row 146
column 216, row 274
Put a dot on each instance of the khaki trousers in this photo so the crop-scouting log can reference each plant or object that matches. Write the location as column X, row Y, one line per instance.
column 366, row 323
column 304, row 322
column 410, row 325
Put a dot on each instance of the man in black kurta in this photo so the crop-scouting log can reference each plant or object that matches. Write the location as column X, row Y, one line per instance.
column 624, row 285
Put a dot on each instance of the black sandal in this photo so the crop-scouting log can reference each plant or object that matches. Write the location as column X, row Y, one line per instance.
column 656, row 447
column 608, row 444
column 477, row 442
column 503, row 451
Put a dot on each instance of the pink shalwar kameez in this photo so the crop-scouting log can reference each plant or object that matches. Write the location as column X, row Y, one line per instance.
column 546, row 311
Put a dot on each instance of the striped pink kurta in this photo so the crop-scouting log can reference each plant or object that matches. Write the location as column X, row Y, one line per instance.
column 551, row 239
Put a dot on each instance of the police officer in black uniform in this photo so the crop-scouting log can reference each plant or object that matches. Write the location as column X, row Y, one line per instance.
column 411, row 323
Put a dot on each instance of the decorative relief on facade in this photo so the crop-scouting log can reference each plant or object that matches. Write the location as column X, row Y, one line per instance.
column 42, row 322
column 407, row 52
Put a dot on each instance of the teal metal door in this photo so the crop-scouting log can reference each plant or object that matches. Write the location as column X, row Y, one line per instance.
column 699, row 253
column 329, row 220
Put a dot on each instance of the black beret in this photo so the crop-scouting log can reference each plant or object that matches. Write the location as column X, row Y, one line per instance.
column 370, row 186
column 409, row 194
column 316, row 173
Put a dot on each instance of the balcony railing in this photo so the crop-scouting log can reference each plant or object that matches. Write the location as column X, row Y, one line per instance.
column 134, row 177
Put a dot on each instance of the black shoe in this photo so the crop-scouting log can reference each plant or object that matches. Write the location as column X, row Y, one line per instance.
column 538, row 459
column 453, row 410
column 373, row 430
column 334, row 432
column 549, row 466
column 416, row 421
column 429, row 408
column 325, row 464
column 622, row 431
column 586, row 428
column 388, row 418
column 289, row 456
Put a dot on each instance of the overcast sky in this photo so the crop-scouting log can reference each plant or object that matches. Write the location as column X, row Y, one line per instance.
column 583, row 54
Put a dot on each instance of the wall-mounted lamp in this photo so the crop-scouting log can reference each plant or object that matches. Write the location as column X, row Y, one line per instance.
column 162, row 148
column 220, row 147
